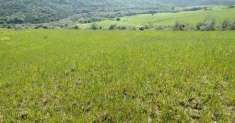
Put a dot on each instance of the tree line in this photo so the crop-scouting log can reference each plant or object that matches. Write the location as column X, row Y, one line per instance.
column 207, row 25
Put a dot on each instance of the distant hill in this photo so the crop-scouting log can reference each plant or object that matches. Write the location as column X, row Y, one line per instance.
column 43, row 11
column 167, row 20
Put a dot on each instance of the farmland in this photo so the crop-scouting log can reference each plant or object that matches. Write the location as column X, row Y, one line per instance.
column 117, row 76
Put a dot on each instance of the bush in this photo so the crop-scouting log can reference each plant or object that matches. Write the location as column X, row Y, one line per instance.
column 8, row 26
column 118, row 19
column 233, row 26
column 208, row 25
column 231, row 6
column 142, row 28
column 112, row 27
column 94, row 26
column 133, row 28
column 122, row 27
column 41, row 27
column 75, row 27
column 179, row 26
column 161, row 27
column 228, row 25
column 100, row 27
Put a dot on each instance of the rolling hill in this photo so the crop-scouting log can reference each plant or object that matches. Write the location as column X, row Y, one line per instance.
column 219, row 14
column 43, row 11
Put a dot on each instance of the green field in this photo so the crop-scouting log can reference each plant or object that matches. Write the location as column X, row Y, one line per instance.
column 189, row 17
column 117, row 76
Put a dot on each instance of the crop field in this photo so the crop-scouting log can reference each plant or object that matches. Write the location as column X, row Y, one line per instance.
column 117, row 76
column 219, row 14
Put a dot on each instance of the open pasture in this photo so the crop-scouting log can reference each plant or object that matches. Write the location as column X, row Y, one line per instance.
column 116, row 76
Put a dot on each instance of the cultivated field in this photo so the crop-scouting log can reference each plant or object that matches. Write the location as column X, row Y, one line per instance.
column 116, row 76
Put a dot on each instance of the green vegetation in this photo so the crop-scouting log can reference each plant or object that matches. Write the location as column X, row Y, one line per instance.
column 44, row 11
column 75, row 66
column 218, row 14
column 117, row 76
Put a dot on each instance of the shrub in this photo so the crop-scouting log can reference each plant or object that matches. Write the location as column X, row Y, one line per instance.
column 118, row 19
column 233, row 26
column 231, row 6
column 207, row 25
column 41, row 27
column 161, row 27
column 122, row 27
column 226, row 25
column 179, row 26
column 112, row 27
column 8, row 26
column 100, row 27
column 142, row 28
column 75, row 27
column 147, row 26
column 133, row 28
column 94, row 26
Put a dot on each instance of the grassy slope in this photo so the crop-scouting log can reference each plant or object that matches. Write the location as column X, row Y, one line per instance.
column 55, row 75
column 190, row 17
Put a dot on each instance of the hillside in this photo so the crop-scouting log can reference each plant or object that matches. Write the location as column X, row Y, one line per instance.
column 219, row 14
column 42, row 11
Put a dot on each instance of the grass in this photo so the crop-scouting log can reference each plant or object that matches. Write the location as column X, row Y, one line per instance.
column 190, row 17
column 99, row 76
